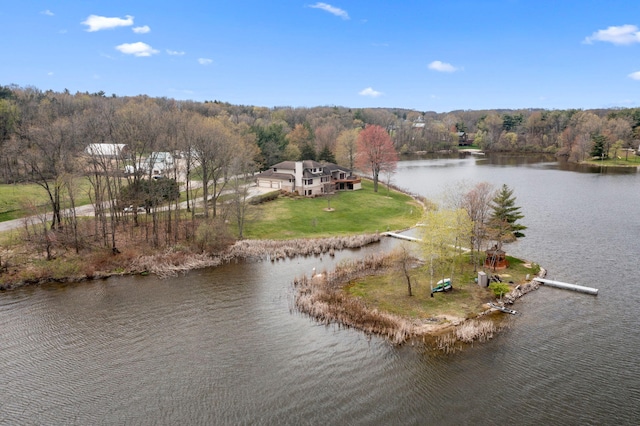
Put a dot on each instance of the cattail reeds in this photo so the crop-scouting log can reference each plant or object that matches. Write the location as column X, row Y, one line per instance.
column 322, row 298
column 172, row 262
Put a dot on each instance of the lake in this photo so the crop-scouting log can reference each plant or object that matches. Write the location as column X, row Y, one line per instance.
column 226, row 346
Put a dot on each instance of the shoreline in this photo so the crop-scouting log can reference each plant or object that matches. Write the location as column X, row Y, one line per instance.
column 169, row 263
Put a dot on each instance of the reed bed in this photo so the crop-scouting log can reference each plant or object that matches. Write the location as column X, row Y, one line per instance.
column 322, row 298
column 173, row 262
column 284, row 249
column 468, row 332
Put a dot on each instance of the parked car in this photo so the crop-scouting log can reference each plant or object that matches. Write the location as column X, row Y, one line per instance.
column 130, row 209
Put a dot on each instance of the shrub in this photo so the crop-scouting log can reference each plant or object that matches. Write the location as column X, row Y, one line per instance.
column 263, row 198
column 213, row 236
column 499, row 289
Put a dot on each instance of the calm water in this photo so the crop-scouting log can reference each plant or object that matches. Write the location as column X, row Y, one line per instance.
column 224, row 346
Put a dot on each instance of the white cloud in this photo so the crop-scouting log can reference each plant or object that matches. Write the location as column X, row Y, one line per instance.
column 141, row 30
column 370, row 92
column 204, row 61
column 50, row 73
column 47, row 12
column 136, row 49
column 175, row 52
column 442, row 67
column 624, row 34
column 331, row 9
column 97, row 23
column 635, row 75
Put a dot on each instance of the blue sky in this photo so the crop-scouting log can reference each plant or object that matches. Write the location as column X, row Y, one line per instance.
column 424, row 55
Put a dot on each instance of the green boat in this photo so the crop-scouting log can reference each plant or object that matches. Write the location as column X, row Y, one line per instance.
column 442, row 286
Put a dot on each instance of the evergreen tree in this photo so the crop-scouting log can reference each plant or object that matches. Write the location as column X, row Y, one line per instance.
column 307, row 152
column 503, row 225
column 598, row 149
column 326, row 155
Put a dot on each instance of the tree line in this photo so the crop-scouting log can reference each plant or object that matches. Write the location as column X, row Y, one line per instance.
column 44, row 134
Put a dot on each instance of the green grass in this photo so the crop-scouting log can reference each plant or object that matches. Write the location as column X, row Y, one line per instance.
column 14, row 198
column 353, row 212
column 388, row 292
column 632, row 161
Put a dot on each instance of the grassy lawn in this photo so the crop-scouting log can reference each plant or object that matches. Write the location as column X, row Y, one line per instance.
column 15, row 198
column 632, row 161
column 354, row 212
column 388, row 292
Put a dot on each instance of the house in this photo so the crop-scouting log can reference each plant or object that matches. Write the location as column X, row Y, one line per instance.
column 342, row 179
column 308, row 178
column 465, row 139
column 419, row 123
column 159, row 163
column 106, row 150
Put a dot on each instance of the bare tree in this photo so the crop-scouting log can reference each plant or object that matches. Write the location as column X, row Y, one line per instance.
column 404, row 261
column 50, row 142
column 477, row 203
column 346, row 147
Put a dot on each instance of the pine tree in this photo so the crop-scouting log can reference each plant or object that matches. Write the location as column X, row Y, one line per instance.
column 505, row 214
column 598, row 149
column 326, row 155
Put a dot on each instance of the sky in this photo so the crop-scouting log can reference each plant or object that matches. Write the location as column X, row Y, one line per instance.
column 427, row 55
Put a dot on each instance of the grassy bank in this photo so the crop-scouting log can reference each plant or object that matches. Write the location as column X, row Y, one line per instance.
column 388, row 291
column 371, row 295
column 345, row 213
column 630, row 161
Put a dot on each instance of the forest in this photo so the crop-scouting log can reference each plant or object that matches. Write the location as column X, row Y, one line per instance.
column 44, row 137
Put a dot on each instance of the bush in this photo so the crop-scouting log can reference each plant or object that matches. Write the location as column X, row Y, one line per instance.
column 213, row 236
column 499, row 289
column 269, row 196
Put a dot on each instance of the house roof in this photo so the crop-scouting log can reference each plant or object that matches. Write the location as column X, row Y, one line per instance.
column 334, row 167
column 276, row 171
column 162, row 156
column 105, row 149
column 274, row 175
column 291, row 165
